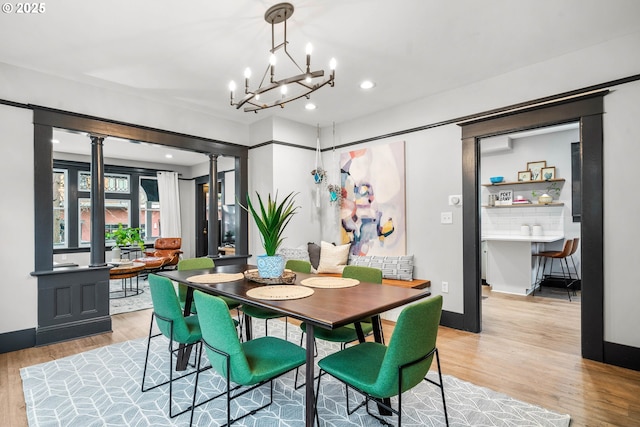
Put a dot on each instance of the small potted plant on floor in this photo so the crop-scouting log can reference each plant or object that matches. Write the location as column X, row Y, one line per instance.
column 122, row 236
column 271, row 220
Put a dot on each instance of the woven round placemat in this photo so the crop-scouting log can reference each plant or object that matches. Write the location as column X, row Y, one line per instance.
column 280, row 292
column 287, row 277
column 329, row 282
column 216, row 278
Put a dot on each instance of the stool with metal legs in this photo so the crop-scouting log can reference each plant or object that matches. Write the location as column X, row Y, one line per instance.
column 561, row 255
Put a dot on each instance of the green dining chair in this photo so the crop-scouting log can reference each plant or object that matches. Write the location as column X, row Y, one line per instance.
column 348, row 333
column 298, row 266
column 246, row 364
column 200, row 264
column 173, row 325
column 380, row 372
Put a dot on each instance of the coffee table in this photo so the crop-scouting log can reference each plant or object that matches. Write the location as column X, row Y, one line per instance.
column 124, row 272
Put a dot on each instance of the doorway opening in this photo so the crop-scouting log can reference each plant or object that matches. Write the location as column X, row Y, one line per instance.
column 587, row 110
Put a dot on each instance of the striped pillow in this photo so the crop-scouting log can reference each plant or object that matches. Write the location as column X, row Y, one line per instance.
column 393, row 267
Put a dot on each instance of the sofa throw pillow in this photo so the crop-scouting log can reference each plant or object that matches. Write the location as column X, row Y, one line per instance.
column 393, row 267
column 314, row 254
column 300, row 253
column 333, row 258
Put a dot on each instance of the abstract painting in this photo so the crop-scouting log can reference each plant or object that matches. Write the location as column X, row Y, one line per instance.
column 372, row 211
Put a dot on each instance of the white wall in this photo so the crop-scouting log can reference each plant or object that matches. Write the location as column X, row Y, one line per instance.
column 433, row 172
column 18, row 292
column 621, row 206
column 31, row 87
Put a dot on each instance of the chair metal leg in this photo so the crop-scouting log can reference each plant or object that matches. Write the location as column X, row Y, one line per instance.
column 171, row 353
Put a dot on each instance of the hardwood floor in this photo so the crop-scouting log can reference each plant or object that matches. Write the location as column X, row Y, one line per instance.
column 529, row 349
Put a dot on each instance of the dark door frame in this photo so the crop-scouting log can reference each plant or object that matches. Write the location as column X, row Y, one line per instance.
column 587, row 110
column 201, row 216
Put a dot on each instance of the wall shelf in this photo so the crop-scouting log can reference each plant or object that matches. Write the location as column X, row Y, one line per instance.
column 525, row 205
column 524, row 182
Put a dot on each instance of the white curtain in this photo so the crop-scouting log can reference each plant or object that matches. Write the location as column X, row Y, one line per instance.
column 169, row 195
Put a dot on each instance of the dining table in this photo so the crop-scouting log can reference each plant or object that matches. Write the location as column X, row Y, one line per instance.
column 326, row 307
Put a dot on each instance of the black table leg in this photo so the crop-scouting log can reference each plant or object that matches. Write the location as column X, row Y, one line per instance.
column 310, row 400
column 248, row 328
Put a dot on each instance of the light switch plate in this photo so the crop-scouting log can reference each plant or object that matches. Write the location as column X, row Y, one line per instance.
column 446, row 218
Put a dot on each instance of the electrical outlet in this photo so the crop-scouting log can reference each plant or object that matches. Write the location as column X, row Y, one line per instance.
column 445, row 287
column 446, row 218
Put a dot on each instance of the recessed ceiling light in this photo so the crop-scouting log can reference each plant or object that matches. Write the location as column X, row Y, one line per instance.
column 310, row 106
column 367, row 84
column 169, row 156
column 55, row 141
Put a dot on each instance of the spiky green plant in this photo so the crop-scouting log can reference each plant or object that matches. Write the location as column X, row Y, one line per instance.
column 272, row 219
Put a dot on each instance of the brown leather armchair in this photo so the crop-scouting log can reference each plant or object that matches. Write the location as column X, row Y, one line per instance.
column 166, row 253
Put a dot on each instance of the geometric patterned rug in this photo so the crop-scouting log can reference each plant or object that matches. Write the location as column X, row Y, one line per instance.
column 101, row 387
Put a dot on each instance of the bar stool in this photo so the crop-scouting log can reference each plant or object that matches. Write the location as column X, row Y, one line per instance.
column 561, row 255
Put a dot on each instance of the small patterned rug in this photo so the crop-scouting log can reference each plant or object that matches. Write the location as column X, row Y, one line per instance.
column 142, row 301
column 101, row 387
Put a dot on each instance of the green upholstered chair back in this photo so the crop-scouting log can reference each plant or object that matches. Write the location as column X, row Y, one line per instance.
column 298, row 265
column 195, row 263
column 166, row 304
column 414, row 336
column 364, row 274
column 219, row 331
column 192, row 264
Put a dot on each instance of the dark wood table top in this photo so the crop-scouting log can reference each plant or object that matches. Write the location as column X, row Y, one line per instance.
column 326, row 308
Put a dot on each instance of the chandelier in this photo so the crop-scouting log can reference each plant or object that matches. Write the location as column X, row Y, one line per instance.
column 290, row 88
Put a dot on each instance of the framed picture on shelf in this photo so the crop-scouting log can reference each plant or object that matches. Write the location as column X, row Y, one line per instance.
column 524, row 176
column 535, row 168
column 548, row 173
column 504, row 197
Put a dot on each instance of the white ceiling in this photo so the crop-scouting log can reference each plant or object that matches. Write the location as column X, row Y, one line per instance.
column 185, row 53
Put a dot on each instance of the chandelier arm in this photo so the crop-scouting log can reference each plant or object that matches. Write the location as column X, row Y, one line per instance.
column 293, row 60
column 274, row 85
column 279, row 102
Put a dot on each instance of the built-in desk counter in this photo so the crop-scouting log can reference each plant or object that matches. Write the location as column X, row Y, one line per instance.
column 510, row 266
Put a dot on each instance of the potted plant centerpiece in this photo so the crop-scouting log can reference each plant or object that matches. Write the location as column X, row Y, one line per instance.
column 271, row 220
column 124, row 237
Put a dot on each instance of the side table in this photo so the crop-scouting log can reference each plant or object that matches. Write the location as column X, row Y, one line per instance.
column 124, row 272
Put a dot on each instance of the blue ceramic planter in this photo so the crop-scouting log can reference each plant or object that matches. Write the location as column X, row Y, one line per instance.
column 270, row 267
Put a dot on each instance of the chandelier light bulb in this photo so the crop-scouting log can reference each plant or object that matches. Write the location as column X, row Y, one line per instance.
column 283, row 90
column 247, row 73
column 309, row 49
column 332, row 64
column 232, row 86
column 272, row 59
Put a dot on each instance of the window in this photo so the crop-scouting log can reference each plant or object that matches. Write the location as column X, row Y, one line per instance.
column 60, row 186
column 131, row 198
column 113, row 183
column 149, row 204
column 116, row 211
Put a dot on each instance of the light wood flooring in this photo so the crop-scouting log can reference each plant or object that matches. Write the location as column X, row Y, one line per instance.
column 529, row 349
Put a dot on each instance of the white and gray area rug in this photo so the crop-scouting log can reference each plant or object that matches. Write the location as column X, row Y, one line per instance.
column 141, row 301
column 101, row 387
